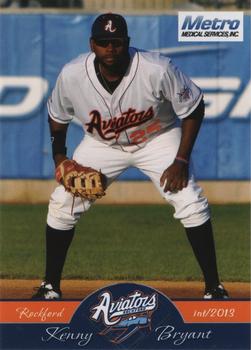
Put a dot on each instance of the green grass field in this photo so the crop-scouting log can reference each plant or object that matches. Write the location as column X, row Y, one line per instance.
column 124, row 242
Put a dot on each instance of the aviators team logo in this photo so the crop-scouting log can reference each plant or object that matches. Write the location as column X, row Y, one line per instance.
column 125, row 316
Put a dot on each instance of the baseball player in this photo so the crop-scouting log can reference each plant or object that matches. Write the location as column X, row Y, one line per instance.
column 137, row 109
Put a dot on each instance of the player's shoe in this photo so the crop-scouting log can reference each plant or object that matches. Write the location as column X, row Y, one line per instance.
column 47, row 292
column 218, row 293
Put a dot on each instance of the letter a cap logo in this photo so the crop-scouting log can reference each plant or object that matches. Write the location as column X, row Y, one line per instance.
column 109, row 26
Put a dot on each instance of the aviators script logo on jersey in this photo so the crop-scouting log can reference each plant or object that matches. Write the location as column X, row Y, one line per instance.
column 109, row 129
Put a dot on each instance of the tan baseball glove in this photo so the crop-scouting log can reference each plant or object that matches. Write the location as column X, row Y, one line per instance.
column 84, row 182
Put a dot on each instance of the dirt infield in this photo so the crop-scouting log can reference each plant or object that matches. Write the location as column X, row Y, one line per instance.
column 79, row 289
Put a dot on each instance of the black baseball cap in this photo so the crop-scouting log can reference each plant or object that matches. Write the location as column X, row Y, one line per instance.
column 109, row 25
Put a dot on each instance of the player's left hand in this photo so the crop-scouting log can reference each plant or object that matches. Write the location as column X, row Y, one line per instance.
column 81, row 181
column 175, row 177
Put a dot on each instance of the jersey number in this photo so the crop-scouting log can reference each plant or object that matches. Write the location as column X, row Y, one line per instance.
column 142, row 135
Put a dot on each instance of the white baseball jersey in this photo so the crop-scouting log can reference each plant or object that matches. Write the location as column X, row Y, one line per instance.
column 147, row 102
column 135, row 126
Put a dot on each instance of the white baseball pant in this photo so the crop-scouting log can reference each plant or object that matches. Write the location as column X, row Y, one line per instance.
column 191, row 207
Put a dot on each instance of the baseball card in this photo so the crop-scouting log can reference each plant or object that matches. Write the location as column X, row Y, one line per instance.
column 125, row 175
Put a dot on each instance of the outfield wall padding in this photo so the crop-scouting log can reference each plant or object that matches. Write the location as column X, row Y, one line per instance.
column 123, row 192
column 35, row 46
